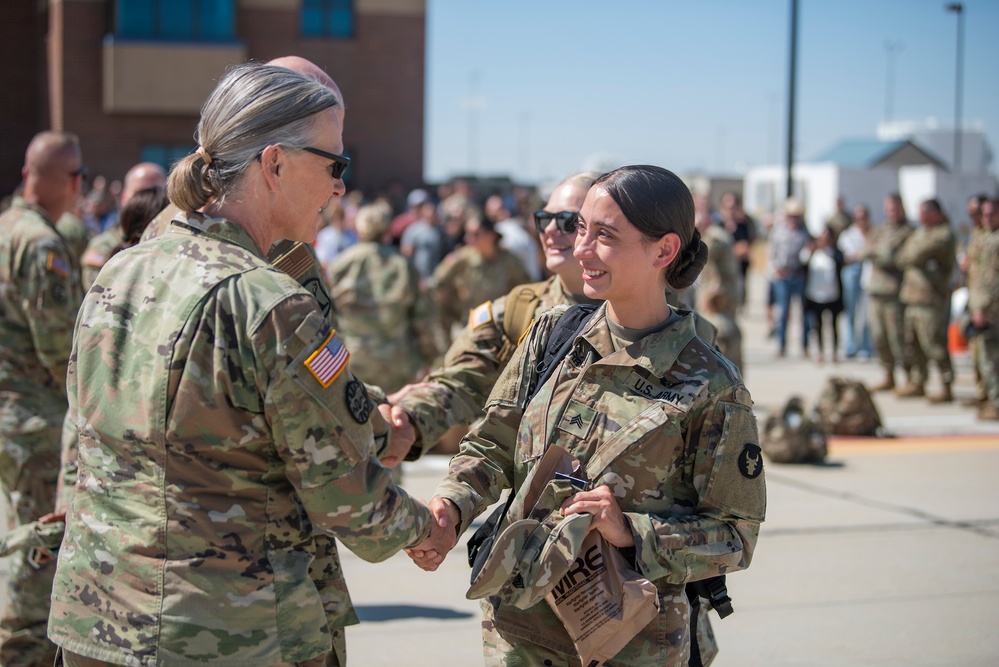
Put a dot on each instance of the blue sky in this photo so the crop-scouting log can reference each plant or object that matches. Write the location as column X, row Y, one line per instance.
column 540, row 88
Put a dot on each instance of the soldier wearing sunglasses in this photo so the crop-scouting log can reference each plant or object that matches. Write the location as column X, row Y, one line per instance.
column 452, row 396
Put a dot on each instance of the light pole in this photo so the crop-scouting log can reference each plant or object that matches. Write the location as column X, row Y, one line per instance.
column 958, row 9
column 792, row 75
column 891, row 47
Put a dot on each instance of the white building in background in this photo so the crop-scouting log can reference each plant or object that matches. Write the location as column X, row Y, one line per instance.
column 914, row 160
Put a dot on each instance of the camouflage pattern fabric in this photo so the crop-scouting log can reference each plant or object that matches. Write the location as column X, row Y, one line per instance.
column 98, row 253
column 472, row 365
column 385, row 319
column 217, row 432
column 984, row 296
column 883, row 244
column 464, row 279
column 74, row 231
column 887, row 320
column 690, row 478
column 845, row 407
column 160, row 224
column 928, row 258
column 791, row 436
column 39, row 299
column 721, row 273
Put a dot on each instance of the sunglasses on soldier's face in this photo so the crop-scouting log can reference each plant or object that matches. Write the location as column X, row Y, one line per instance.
column 340, row 163
column 566, row 221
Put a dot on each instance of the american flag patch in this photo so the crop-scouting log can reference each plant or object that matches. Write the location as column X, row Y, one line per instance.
column 328, row 361
column 57, row 264
column 483, row 314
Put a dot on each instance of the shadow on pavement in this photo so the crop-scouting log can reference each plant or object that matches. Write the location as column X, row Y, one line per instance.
column 393, row 612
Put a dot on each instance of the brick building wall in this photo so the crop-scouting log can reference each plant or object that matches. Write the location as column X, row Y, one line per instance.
column 22, row 82
column 380, row 71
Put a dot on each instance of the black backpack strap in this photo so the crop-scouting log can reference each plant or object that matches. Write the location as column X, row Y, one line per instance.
column 566, row 331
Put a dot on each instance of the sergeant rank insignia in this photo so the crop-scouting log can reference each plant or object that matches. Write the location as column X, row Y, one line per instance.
column 328, row 361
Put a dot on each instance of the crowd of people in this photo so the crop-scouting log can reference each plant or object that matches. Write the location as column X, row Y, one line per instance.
column 893, row 284
column 208, row 379
column 212, row 376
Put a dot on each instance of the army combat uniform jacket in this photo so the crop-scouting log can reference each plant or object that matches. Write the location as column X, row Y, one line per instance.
column 927, row 260
column 882, row 249
column 384, row 317
column 219, row 426
column 689, row 479
column 474, row 361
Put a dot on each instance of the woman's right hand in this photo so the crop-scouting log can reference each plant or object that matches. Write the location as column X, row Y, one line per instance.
column 429, row 554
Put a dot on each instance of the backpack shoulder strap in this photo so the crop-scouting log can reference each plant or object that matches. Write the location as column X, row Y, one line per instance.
column 560, row 341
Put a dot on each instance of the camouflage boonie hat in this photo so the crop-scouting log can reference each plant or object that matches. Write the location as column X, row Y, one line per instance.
column 530, row 556
column 790, row 436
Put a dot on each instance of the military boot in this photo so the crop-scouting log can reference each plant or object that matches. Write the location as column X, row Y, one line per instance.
column 945, row 396
column 911, row 390
column 886, row 385
column 989, row 411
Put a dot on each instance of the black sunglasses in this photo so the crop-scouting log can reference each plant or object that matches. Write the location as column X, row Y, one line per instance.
column 566, row 221
column 82, row 171
column 340, row 163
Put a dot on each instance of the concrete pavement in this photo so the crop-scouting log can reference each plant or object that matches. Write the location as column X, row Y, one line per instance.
column 885, row 555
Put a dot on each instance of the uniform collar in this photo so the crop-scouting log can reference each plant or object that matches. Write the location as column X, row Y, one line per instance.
column 21, row 202
column 657, row 352
column 217, row 228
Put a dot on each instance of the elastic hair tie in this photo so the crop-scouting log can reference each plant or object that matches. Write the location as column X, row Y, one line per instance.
column 205, row 157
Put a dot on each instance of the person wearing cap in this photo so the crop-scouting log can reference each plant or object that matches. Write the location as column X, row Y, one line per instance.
column 476, row 272
column 787, row 272
column 660, row 421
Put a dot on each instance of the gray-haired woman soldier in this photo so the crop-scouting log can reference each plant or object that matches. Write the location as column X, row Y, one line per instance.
column 219, row 422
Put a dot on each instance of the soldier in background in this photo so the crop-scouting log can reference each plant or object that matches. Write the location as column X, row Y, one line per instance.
column 39, row 298
column 386, row 320
column 142, row 176
column 476, row 272
column 983, row 302
column 968, row 260
column 927, row 261
column 886, row 316
column 717, row 293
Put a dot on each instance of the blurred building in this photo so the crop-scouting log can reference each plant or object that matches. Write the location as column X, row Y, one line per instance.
column 914, row 160
column 129, row 76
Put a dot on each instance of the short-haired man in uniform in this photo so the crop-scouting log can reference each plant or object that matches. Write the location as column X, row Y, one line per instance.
column 39, row 298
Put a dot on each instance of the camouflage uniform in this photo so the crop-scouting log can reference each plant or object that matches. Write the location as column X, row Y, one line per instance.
column 984, row 296
column 976, row 246
column 887, row 322
column 717, row 292
column 689, row 481
column 159, row 225
column 465, row 279
column 473, row 363
column 382, row 312
column 74, row 231
column 226, row 419
column 927, row 259
column 97, row 254
column 39, row 299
